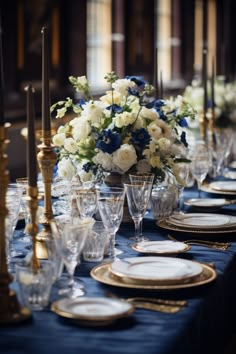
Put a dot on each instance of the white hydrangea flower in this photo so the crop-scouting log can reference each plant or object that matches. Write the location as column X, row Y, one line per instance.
column 124, row 119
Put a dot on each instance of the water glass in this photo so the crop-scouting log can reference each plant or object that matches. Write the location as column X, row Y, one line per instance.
column 163, row 201
column 94, row 246
column 35, row 285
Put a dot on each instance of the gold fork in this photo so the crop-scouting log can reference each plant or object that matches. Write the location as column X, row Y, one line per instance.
column 211, row 244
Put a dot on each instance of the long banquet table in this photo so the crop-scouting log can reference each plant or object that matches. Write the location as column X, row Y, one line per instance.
column 204, row 326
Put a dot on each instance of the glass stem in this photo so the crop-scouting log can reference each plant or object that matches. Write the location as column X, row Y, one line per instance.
column 137, row 225
column 112, row 246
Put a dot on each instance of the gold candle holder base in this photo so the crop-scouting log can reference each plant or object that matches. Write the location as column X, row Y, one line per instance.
column 10, row 309
column 46, row 160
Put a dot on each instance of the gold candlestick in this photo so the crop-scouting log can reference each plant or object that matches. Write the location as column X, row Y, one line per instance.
column 32, row 228
column 10, row 309
column 46, row 159
column 203, row 126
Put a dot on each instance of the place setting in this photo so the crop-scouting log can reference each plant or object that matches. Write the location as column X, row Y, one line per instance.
column 154, row 273
column 200, row 223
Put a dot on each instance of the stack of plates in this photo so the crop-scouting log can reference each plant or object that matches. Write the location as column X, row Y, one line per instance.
column 220, row 187
column 160, row 273
column 210, row 204
column 200, row 223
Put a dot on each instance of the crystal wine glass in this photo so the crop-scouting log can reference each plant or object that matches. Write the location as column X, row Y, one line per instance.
column 70, row 242
column 86, row 200
column 200, row 164
column 138, row 196
column 110, row 204
column 140, row 178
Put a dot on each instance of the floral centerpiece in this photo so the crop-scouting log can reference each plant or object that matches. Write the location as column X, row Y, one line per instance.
column 125, row 130
column 224, row 100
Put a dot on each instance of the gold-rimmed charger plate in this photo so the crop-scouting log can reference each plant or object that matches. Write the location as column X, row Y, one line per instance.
column 202, row 221
column 207, row 188
column 165, row 225
column 161, row 248
column 103, row 274
column 92, row 311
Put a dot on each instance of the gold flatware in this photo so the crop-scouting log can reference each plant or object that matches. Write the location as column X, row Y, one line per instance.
column 181, row 303
column 155, row 307
column 211, row 244
column 161, row 305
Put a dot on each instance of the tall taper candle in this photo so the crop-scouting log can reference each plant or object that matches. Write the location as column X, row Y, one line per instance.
column 1, row 77
column 31, row 144
column 213, row 86
column 46, row 120
column 204, row 56
column 161, row 85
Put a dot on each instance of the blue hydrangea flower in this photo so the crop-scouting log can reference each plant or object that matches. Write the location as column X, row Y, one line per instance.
column 183, row 122
column 140, row 138
column 108, row 141
column 114, row 108
column 139, row 80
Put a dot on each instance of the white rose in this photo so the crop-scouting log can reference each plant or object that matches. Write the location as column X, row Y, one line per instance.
column 58, row 139
column 66, row 169
column 70, row 145
column 122, row 85
column 125, row 157
column 147, row 113
column 154, row 130
column 103, row 159
column 81, row 129
column 164, row 144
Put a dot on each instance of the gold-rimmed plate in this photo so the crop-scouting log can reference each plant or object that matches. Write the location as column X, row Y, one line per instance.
column 165, row 225
column 224, row 186
column 210, row 204
column 206, row 187
column 161, row 248
column 202, row 221
column 92, row 311
column 155, row 270
column 103, row 274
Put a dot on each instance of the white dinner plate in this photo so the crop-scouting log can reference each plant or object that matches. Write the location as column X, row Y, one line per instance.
column 155, row 269
column 161, row 247
column 230, row 174
column 202, row 221
column 92, row 311
column 207, row 203
column 228, row 186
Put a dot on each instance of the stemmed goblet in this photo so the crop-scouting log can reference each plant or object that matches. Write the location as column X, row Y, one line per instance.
column 200, row 161
column 70, row 241
column 86, row 200
column 110, row 204
column 140, row 178
column 138, row 196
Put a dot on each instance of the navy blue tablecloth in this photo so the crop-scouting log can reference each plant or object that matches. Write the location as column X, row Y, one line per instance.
column 204, row 326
